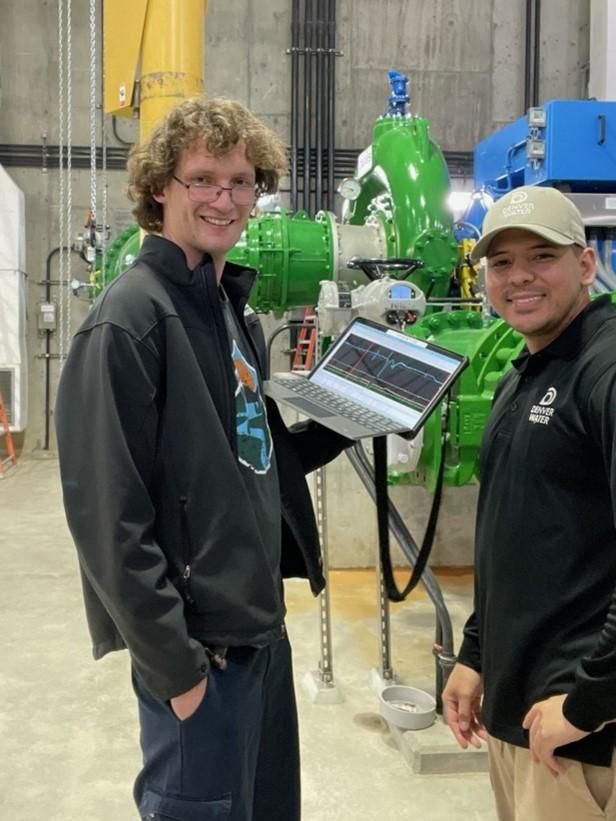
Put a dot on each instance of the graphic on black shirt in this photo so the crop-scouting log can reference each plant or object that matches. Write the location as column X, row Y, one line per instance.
column 254, row 441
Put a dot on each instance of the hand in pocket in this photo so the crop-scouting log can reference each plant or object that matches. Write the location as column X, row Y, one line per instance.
column 188, row 703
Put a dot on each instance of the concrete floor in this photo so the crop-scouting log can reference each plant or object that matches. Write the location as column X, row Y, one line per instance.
column 68, row 731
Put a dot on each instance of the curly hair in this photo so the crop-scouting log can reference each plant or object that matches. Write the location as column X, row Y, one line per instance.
column 221, row 123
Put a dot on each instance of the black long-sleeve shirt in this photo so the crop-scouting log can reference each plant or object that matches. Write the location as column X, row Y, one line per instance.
column 545, row 598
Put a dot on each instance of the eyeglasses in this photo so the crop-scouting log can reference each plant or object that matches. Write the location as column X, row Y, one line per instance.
column 241, row 193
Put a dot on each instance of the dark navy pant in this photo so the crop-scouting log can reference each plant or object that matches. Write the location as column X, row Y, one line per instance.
column 237, row 757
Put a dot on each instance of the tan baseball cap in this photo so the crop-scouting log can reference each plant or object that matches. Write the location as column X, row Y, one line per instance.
column 544, row 211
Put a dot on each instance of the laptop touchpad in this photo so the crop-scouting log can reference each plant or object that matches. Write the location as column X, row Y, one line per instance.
column 310, row 407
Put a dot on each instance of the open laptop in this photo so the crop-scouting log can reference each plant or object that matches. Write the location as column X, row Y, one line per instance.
column 374, row 380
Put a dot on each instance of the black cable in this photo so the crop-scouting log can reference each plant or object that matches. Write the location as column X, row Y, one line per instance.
column 114, row 128
column 382, row 500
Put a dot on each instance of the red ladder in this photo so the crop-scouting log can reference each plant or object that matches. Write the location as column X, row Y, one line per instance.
column 306, row 343
column 4, row 421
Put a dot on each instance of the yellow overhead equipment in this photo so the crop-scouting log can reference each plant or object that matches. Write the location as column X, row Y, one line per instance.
column 160, row 44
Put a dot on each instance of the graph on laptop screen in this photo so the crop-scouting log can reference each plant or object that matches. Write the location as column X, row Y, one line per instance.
column 386, row 370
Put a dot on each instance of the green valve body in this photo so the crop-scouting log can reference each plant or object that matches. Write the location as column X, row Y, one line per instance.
column 120, row 255
column 490, row 344
column 292, row 255
column 405, row 186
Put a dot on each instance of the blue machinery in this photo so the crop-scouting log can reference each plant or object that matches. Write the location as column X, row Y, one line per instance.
column 568, row 144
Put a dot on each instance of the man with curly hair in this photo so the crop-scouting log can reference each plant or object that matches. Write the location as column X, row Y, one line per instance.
column 184, row 491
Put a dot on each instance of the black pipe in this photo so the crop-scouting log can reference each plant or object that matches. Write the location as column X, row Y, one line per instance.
column 51, row 254
column 326, row 203
column 460, row 163
column 307, row 113
column 325, row 106
column 331, row 100
column 532, row 53
column 294, row 100
column 318, row 103
column 536, row 53
column 47, row 156
column 528, row 40
column 48, row 333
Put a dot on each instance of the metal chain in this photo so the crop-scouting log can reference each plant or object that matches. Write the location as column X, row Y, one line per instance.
column 93, row 195
column 99, row 238
column 65, row 193
column 61, row 178
column 104, row 197
column 66, row 287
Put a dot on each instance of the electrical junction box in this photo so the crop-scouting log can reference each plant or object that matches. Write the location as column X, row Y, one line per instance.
column 47, row 317
column 578, row 151
column 535, row 149
column 537, row 117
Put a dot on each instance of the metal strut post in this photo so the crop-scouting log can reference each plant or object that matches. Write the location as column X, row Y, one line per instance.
column 325, row 664
column 384, row 675
column 385, row 669
column 319, row 685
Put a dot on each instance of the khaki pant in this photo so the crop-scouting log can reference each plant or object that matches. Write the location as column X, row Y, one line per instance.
column 525, row 791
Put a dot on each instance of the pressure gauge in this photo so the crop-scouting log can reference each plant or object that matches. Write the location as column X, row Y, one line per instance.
column 349, row 188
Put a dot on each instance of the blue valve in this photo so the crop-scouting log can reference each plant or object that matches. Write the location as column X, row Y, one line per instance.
column 399, row 98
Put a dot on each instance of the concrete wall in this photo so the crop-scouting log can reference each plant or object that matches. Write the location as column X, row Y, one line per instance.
column 465, row 60
column 466, row 65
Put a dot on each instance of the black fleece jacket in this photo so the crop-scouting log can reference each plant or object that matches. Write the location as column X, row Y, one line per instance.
column 545, row 593
column 146, row 429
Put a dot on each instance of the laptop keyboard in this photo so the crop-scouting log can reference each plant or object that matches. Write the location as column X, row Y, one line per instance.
column 312, row 393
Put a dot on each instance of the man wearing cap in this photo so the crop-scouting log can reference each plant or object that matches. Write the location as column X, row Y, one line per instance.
column 536, row 672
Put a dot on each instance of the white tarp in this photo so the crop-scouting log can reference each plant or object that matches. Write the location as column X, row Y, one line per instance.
column 13, row 298
column 12, row 317
column 12, row 225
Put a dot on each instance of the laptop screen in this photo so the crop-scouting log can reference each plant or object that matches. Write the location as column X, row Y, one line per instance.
column 387, row 371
